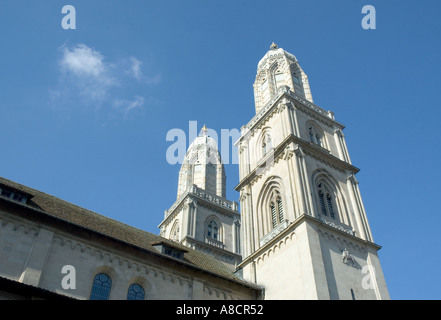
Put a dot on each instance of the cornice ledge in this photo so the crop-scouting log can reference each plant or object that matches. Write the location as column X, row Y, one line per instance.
column 320, row 154
column 291, row 226
column 305, row 105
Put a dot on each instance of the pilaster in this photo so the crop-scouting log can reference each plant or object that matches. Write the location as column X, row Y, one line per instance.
column 37, row 257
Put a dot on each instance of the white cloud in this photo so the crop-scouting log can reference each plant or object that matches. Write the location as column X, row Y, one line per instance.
column 126, row 106
column 86, row 69
column 87, row 74
column 83, row 61
column 135, row 69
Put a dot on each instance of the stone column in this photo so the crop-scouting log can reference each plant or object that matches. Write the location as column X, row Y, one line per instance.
column 303, row 187
column 359, row 212
column 341, row 145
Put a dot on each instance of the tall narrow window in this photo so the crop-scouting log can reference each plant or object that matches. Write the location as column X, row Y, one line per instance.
column 135, row 292
column 318, row 139
column 237, row 236
column 326, row 201
column 295, row 79
column 311, row 134
column 266, row 144
column 175, row 232
column 322, row 202
column 265, row 91
column 276, row 208
column 210, row 230
column 280, row 208
column 273, row 214
column 101, row 287
column 280, row 79
column 213, row 230
column 315, row 136
column 330, row 208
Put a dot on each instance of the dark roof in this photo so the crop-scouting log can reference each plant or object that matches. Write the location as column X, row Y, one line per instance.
column 72, row 214
column 18, row 290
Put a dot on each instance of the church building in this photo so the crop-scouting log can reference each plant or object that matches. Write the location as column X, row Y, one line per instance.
column 301, row 231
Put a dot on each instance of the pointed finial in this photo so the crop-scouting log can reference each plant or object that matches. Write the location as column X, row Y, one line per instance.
column 273, row 46
column 204, row 130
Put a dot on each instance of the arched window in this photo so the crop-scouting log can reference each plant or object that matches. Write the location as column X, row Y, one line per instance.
column 280, row 78
column 101, row 287
column 326, row 201
column 276, row 208
column 213, row 230
column 135, row 292
column 295, row 78
column 315, row 136
column 264, row 91
column 175, row 232
column 266, row 144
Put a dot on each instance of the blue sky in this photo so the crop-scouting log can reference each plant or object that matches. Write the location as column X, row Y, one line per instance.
column 84, row 113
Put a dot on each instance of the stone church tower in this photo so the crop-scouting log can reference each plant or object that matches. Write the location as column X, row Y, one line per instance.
column 305, row 230
column 202, row 218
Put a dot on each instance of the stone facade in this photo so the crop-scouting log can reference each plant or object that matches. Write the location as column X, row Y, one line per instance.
column 40, row 237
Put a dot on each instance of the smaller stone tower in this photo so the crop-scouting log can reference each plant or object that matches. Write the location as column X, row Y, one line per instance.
column 202, row 218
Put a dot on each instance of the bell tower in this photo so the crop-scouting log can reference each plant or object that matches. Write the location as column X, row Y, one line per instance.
column 201, row 217
column 304, row 227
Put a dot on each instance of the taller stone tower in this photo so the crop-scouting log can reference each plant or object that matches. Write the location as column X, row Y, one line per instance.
column 202, row 218
column 304, row 227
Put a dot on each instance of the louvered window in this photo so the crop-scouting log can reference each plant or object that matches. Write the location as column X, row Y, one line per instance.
column 326, row 201
column 322, row 203
column 213, row 230
column 330, row 208
column 280, row 207
column 276, row 208
column 273, row 214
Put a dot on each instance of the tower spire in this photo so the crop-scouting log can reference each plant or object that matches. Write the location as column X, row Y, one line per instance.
column 204, row 130
column 277, row 69
column 274, row 46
